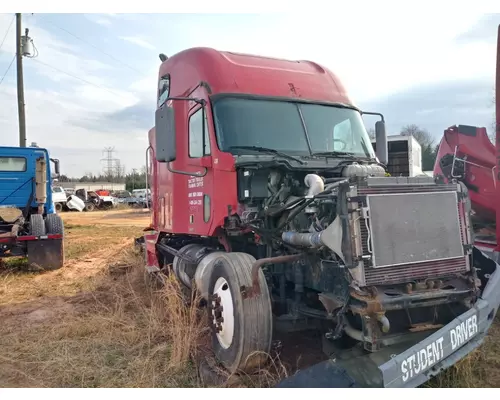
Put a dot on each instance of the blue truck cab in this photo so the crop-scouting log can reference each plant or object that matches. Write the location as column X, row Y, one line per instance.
column 29, row 225
column 18, row 174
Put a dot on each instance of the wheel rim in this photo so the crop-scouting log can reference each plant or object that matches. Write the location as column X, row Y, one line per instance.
column 223, row 313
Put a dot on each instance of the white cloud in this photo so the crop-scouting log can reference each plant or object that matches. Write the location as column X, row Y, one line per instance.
column 99, row 19
column 138, row 41
column 375, row 55
column 51, row 112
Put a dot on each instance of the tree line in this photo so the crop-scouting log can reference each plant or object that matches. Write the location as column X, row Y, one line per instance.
column 136, row 179
column 429, row 145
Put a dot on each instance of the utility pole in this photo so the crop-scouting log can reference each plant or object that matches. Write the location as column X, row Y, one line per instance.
column 134, row 171
column 20, row 83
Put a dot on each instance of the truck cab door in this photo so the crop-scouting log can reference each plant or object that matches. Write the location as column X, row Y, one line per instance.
column 17, row 170
column 199, row 189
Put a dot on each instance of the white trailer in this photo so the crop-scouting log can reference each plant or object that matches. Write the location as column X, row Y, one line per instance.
column 404, row 155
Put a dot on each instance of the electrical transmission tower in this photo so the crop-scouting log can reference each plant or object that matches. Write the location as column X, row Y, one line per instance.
column 110, row 163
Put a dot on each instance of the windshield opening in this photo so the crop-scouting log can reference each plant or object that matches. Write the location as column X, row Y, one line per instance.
column 279, row 125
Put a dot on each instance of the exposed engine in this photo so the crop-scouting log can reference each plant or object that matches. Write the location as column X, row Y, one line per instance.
column 285, row 199
column 369, row 243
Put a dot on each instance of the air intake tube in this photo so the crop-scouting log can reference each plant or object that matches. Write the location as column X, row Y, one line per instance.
column 315, row 184
column 303, row 239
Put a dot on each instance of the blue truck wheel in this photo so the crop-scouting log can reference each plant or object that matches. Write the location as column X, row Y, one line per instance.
column 54, row 224
column 37, row 225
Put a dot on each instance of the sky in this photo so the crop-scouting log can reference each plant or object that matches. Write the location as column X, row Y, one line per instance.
column 93, row 82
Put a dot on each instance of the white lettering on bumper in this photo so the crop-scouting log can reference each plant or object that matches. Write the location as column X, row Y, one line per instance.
column 434, row 352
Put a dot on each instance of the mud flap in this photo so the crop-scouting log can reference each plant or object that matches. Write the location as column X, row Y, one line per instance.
column 325, row 374
column 46, row 254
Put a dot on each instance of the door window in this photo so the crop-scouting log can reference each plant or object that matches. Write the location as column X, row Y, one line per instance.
column 199, row 145
column 12, row 164
column 163, row 90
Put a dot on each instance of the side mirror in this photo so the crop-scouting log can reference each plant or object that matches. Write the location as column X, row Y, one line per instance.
column 381, row 141
column 165, row 134
column 56, row 165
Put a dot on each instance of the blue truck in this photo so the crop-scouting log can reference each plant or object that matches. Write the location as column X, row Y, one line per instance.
column 29, row 224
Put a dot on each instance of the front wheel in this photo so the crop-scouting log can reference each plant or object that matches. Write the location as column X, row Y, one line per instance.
column 241, row 328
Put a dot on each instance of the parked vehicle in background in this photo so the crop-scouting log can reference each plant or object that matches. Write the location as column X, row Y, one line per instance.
column 106, row 201
column 138, row 193
column 121, row 196
column 75, row 203
column 59, row 197
column 139, row 198
column 29, row 225
column 92, row 200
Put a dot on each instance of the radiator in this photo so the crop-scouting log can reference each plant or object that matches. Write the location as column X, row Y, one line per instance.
column 412, row 231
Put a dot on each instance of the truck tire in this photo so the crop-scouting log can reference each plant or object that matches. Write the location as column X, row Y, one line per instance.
column 58, row 207
column 244, row 341
column 37, row 225
column 54, row 225
column 89, row 207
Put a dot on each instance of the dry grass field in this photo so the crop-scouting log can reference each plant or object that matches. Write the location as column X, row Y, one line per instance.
column 95, row 323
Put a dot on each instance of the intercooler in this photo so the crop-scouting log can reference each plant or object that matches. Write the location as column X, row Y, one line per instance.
column 411, row 230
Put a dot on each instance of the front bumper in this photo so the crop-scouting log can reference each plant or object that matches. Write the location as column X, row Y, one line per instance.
column 445, row 347
column 401, row 366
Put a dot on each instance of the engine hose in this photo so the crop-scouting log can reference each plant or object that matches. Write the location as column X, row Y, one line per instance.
column 302, row 239
column 284, row 207
column 294, row 213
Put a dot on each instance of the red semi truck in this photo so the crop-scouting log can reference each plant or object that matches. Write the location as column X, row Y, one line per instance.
column 268, row 198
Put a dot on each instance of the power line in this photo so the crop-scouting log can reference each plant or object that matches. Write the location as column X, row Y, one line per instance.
column 75, row 77
column 8, row 30
column 95, row 47
column 8, row 68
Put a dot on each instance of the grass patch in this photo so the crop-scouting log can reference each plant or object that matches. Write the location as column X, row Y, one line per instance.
column 120, row 336
column 94, row 323
column 88, row 250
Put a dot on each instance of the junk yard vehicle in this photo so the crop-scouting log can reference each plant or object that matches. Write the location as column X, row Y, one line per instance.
column 268, row 198
column 467, row 154
column 29, row 225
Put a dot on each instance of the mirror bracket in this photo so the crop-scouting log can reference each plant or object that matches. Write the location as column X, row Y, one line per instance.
column 196, row 174
column 380, row 137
